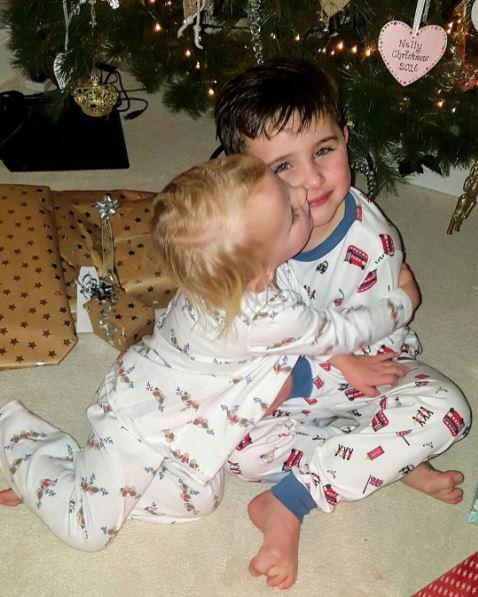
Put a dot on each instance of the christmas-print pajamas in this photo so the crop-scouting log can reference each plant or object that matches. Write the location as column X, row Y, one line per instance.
column 172, row 408
column 338, row 443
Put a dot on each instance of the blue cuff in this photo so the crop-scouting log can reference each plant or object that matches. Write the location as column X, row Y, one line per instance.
column 301, row 379
column 294, row 496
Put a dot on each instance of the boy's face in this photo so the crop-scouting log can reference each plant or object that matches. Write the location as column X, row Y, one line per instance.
column 279, row 216
column 315, row 159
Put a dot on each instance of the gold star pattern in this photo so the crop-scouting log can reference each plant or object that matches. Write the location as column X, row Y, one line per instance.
column 28, row 337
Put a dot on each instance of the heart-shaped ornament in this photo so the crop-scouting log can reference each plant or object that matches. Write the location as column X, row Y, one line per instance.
column 409, row 57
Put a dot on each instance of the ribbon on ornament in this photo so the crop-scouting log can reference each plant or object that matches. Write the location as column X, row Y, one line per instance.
column 192, row 16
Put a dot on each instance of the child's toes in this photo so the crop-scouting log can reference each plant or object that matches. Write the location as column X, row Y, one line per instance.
column 9, row 498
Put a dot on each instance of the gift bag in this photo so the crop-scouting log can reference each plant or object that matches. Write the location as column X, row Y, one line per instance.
column 36, row 326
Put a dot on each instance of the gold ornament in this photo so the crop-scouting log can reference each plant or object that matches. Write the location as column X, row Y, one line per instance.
column 466, row 201
column 96, row 99
column 464, row 50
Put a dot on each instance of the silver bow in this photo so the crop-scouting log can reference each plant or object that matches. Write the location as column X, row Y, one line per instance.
column 106, row 207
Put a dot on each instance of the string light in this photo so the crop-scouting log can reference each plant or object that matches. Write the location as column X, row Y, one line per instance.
column 197, row 65
column 297, row 37
column 340, row 46
column 210, row 91
column 440, row 103
column 453, row 109
column 368, row 52
column 332, row 52
column 353, row 50
column 158, row 27
column 187, row 53
column 273, row 35
column 152, row 1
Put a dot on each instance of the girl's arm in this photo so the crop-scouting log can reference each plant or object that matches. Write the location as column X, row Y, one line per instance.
column 286, row 325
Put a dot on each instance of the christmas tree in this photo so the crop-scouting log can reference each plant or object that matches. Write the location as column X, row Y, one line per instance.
column 188, row 49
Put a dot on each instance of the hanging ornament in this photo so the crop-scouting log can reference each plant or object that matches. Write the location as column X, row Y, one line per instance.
column 464, row 50
column 365, row 168
column 410, row 53
column 96, row 99
column 466, row 201
column 474, row 15
column 254, row 19
column 332, row 7
column 192, row 10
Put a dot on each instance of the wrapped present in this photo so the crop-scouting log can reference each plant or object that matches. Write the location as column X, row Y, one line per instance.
column 81, row 242
column 115, row 315
column 121, row 320
column 36, row 327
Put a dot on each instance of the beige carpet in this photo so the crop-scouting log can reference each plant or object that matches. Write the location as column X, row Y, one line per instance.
column 391, row 544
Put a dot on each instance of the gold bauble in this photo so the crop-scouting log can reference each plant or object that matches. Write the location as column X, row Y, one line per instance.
column 96, row 99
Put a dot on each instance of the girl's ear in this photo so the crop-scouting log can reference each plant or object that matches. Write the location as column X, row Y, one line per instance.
column 259, row 284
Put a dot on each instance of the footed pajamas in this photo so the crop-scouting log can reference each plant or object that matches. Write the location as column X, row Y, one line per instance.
column 172, row 408
column 336, row 442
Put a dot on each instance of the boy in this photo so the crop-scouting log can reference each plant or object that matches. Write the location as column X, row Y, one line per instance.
column 286, row 112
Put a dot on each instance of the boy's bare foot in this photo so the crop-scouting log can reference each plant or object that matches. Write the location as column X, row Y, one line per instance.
column 9, row 498
column 278, row 556
column 442, row 485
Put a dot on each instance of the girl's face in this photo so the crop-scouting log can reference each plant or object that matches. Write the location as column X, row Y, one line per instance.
column 279, row 215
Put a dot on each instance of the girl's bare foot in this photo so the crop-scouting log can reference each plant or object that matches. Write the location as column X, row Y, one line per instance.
column 278, row 556
column 442, row 485
column 9, row 498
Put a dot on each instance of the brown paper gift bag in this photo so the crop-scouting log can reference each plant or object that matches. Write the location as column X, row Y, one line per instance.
column 79, row 234
column 121, row 321
column 36, row 327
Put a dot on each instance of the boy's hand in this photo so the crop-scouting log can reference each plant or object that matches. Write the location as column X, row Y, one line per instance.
column 407, row 282
column 367, row 372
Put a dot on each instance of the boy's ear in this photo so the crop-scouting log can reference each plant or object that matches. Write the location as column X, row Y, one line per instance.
column 346, row 133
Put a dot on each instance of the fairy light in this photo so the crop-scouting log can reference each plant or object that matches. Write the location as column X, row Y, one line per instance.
column 353, row 50
column 453, row 110
column 210, row 91
column 158, row 27
column 152, row 1
column 340, row 46
column 440, row 103
column 332, row 52
column 187, row 53
column 297, row 37
column 324, row 50
column 197, row 65
column 368, row 52
column 273, row 35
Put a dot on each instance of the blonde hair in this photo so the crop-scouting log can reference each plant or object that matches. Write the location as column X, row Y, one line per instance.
column 200, row 233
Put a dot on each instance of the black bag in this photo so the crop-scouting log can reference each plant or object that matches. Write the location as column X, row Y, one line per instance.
column 31, row 140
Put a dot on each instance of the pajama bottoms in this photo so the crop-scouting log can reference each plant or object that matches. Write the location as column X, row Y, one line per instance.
column 85, row 495
column 342, row 445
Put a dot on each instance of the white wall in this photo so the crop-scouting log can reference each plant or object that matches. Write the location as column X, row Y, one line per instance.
column 452, row 184
column 6, row 71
